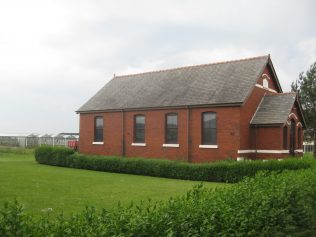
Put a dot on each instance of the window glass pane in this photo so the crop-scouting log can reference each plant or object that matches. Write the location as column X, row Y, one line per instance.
column 172, row 121
column 213, row 137
column 209, row 129
column 172, row 129
column 99, row 122
column 172, row 136
column 98, row 135
column 139, row 135
column 139, row 126
column 98, row 129
column 209, row 120
column 209, row 136
column 140, row 119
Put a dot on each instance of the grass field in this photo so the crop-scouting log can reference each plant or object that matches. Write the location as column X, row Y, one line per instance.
column 69, row 190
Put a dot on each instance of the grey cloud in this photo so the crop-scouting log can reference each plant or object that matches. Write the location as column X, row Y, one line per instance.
column 57, row 55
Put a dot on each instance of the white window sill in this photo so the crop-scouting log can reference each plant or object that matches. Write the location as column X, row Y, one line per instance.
column 97, row 143
column 138, row 144
column 170, row 145
column 208, row 146
column 266, row 88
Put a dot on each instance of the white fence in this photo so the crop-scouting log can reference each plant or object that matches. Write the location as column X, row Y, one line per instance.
column 308, row 146
column 35, row 140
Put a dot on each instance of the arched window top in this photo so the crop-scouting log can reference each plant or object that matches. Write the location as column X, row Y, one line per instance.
column 266, row 76
column 292, row 116
column 172, row 113
column 140, row 117
column 172, row 119
column 209, row 118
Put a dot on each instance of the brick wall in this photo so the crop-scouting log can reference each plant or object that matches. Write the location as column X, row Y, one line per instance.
column 112, row 134
column 227, row 135
column 269, row 138
column 249, row 108
column 155, row 135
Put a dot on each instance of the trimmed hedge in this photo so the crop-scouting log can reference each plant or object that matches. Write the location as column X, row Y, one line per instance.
column 224, row 171
column 271, row 204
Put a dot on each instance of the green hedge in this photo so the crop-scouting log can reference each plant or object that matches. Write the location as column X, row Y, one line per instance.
column 271, row 204
column 225, row 171
column 57, row 155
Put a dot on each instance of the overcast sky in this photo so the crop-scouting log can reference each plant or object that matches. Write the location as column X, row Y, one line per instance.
column 55, row 55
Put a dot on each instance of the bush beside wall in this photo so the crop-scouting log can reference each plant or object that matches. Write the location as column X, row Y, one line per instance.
column 224, row 171
column 53, row 155
column 271, row 204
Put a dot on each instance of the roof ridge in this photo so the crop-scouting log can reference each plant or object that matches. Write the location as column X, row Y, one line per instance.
column 193, row 66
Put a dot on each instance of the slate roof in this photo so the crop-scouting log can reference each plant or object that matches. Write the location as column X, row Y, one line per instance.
column 209, row 84
column 274, row 109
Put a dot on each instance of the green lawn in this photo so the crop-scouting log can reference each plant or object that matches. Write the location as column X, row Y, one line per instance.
column 64, row 189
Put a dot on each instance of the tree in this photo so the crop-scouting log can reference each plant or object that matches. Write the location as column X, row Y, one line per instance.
column 305, row 86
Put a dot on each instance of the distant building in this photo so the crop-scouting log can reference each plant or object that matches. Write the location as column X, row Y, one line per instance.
column 35, row 139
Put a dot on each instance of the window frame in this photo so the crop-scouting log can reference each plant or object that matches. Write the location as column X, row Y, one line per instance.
column 203, row 142
column 168, row 129
column 96, row 137
column 135, row 139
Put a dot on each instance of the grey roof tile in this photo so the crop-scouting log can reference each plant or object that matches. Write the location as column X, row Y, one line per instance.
column 208, row 84
column 274, row 109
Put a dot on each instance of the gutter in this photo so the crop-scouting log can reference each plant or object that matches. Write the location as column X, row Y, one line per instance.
column 234, row 104
column 188, row 133
column 266, row 125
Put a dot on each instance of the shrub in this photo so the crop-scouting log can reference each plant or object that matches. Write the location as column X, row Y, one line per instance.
column 224, row 171
column 271, row 204
column 53, row 155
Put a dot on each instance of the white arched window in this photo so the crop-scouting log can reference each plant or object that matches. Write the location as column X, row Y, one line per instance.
column 265, row 83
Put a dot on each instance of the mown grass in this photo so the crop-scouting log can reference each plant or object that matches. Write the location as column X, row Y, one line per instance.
column 310, row 157
column 68, row 190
